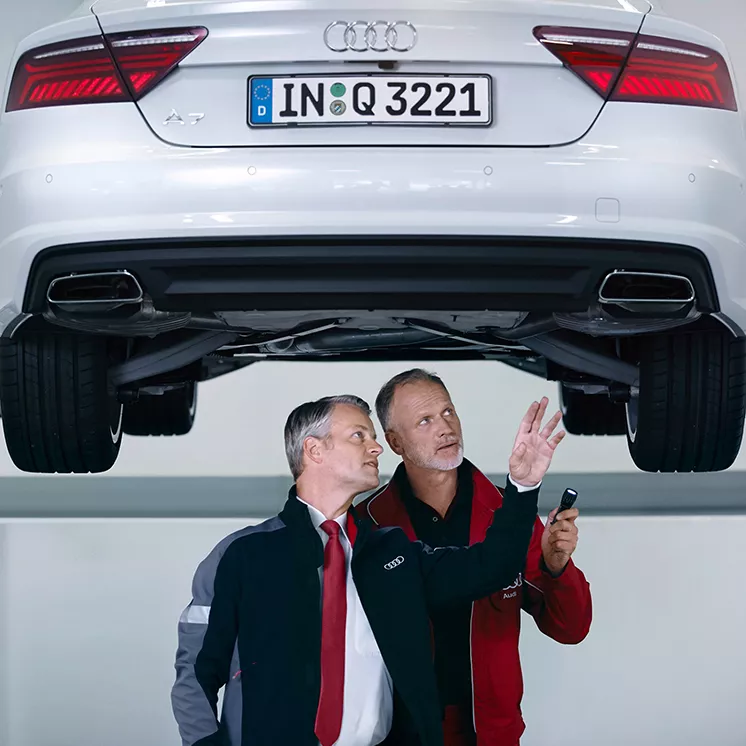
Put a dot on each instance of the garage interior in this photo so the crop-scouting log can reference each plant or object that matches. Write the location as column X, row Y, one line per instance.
column 95, row 570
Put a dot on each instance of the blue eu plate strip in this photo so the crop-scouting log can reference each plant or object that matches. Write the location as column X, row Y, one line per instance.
column 261, row 101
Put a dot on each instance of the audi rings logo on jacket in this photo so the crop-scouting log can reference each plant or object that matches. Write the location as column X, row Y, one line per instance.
column 394, row 563
column 518, row 583
column 375, row 36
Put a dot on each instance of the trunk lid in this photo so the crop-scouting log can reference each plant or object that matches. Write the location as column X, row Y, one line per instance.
column 476, row 67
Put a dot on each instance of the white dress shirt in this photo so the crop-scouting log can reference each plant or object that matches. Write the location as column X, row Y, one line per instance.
column 368, row 691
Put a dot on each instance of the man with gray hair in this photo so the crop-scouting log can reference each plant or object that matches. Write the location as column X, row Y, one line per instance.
column 440, row 498
column 315, row 623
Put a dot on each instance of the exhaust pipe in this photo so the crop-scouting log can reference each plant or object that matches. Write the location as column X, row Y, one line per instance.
column 95, row 292
column 646, row 291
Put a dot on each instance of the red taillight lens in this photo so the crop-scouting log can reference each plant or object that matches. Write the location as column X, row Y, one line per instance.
column 651, row 69
column 82, row 71
column 673, row 72
column 597, row 57
column 146, row 58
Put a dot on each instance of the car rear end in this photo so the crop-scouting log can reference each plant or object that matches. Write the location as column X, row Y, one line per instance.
column 264, row 74
column 467, row 168
column 217, row 119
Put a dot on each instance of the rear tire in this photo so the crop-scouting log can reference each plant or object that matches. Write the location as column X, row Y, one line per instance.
column 591, row 414
column 689, row 416
column 59, row 413
column 170, row 413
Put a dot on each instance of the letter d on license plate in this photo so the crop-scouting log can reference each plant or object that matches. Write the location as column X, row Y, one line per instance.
column 456, row 100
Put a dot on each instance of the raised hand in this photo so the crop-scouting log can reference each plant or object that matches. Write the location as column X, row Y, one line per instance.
column 534, row 447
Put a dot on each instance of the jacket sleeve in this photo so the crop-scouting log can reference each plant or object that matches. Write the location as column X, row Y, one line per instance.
column 458, row 574
column 561, row 606
column 207, row 632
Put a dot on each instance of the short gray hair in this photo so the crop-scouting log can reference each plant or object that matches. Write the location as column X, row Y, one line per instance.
column 386, row 394
column 313, row 419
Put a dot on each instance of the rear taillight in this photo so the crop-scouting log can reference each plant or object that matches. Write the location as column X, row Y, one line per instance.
column 122, row 67
column 625, row 67
column 80, row 71
column 146, row 58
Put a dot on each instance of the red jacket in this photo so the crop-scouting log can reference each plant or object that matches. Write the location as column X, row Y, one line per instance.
column 561, row 607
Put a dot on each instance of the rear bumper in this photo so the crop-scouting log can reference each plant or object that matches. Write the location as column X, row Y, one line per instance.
column 457, row 273
column 289, row 227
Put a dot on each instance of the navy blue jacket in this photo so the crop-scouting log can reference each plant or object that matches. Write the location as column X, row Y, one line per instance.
column 254, row 623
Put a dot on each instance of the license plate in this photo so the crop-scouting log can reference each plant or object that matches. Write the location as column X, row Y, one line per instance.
column 455, row 100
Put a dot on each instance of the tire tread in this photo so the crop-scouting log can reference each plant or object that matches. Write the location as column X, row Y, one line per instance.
column 56, row 403
column 692, row 402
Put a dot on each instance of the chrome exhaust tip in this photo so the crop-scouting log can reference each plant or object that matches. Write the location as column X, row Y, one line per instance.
column 95, row 291
column 646, row 291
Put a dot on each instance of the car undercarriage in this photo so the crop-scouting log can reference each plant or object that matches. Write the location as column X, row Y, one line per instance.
column 631, row 332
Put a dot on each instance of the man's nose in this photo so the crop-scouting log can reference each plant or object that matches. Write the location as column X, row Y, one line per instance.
column 376, row 449
column 446, row 428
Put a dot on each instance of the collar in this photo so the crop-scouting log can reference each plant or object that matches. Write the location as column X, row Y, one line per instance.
column 317, row 517
column 300, row 517
column 462, row 498
column 387, row 507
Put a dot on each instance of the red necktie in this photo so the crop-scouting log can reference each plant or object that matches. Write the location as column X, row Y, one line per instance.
column 333, row 625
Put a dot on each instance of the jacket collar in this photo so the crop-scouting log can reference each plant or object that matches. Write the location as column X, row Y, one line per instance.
column 296, row 517
column 306, row 543
column 386, row 507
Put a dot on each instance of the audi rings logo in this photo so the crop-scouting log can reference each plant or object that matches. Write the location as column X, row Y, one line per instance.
column 376, row 36
column 394, row 563
column 518, row 583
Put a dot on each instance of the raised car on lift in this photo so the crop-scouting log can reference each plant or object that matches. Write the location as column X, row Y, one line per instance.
column 192, row 187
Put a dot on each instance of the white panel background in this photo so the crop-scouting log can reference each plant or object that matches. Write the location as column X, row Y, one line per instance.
column 92, row 607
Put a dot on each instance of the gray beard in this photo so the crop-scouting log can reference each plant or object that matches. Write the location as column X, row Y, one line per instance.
column 440, row 462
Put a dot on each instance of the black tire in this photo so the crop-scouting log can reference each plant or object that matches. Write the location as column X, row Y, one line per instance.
column 591, row 414
column 170, row 413
column 689, row 416
column 59, row 414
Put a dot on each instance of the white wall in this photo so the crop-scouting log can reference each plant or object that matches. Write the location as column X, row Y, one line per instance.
column 4, row 646
column 93, row 607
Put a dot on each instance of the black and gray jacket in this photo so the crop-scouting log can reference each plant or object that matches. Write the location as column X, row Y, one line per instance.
column 254, row 623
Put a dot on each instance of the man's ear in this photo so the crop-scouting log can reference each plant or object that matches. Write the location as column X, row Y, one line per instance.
column 393, row 440
column 313, row 449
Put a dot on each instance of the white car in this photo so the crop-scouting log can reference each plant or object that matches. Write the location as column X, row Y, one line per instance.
column 192, row 186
